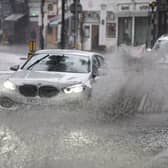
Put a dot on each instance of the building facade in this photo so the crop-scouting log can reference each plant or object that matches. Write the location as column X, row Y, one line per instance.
column 109, row 23
column 161, row 18
column 50, row 9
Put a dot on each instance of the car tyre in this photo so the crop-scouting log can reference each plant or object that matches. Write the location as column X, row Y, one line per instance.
column 6, row 102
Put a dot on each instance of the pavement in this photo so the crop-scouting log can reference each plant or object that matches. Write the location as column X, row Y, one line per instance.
column 16, row 49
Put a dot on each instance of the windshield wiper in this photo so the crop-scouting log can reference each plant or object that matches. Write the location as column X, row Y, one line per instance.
column 36, row 62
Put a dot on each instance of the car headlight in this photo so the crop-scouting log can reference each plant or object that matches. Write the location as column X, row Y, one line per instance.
column 9, row 85
column 74, row 89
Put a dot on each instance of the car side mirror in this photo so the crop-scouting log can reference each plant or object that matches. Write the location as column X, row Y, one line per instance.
column 14, row 68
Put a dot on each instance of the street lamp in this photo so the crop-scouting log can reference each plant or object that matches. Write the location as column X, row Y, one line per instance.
column 63, row 25
column 42, row 24
column 153, row 7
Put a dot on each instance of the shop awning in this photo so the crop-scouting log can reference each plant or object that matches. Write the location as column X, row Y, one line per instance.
column 14, row 17
column 55, row 21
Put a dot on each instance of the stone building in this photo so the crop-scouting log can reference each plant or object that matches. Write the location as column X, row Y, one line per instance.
column 109, row 22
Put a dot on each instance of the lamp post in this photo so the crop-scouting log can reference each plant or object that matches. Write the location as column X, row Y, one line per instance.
column 153, row 7
column 63, row 25
column 42, row 24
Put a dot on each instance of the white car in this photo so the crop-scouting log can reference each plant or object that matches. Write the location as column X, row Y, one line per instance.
column 52, row 76
column 160, row 49
column 161, row 43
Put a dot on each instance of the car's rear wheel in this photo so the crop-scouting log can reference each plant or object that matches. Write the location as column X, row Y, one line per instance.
column 6, row 102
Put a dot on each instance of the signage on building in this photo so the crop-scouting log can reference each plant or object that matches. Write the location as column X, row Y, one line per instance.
column 144, row 7
column 125, row 8
column 92, row 17
column 138, row 7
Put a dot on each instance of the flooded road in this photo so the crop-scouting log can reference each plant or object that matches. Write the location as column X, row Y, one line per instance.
column 114, row 131
column 38, row 135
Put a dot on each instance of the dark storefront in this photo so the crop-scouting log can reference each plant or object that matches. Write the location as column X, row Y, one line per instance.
column 162, row 17
column 141, row 30
column 14, row 17
column 15, row 28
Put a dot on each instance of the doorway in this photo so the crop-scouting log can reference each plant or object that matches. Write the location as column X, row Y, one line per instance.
column 95, row 37
column 141, row 30
column 125, row 30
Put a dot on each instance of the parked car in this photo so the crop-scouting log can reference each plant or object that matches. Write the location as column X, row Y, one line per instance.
column 52, row 76
column 161, row 43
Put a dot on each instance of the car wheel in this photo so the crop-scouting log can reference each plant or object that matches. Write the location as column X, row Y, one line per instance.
column 6, row 102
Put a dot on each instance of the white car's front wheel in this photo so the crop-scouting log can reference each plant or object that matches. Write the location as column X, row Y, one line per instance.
column 6, row 102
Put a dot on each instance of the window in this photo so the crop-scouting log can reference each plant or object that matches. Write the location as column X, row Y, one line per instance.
column 100, row 60
column 161, row 44
column 87, row 31
column 50, row 7
column 111, row 30
column 95, row 63
column 58, row 63
column 50, row 30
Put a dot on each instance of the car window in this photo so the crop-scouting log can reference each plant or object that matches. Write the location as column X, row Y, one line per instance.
column 59, row 63
column 161, row 44
column 100, row 60
column 96, row 63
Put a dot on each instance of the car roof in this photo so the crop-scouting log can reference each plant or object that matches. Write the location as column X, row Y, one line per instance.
column 67, row 51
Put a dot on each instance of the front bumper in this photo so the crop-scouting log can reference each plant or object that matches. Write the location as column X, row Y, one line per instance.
column 60, row 99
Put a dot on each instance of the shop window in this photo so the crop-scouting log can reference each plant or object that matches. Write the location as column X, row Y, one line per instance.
column 50, row 7
column 50, row 30
column 111, row 30
column 125, row 30
column 87, row 31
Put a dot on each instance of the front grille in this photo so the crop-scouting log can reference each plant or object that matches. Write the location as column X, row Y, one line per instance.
column 43, row 91
column 48, row 91
column 28, row 90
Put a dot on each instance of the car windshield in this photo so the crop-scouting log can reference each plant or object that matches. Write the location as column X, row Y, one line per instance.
column 58, row 63
column 161, row 44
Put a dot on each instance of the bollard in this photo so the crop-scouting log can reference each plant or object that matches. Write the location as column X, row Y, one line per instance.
column 32, row 49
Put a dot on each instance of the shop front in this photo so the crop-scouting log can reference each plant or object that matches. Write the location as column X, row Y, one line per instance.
column 14, row 28
column 133, row 25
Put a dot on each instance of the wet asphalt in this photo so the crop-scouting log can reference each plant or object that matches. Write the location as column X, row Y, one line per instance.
column 109, row 132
